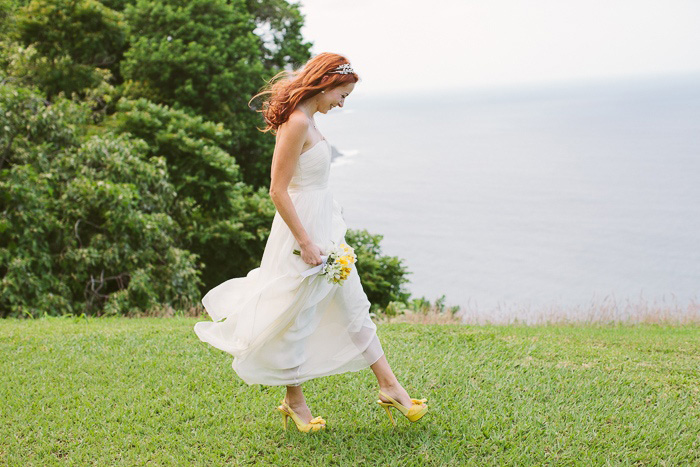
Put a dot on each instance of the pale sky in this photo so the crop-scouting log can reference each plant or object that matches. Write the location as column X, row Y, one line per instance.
column 409, row 45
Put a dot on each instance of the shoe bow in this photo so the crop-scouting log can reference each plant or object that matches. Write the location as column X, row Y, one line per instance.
column 419, row 401
column 317, row 420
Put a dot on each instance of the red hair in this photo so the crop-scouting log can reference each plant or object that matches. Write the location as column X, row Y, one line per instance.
column 286, row 89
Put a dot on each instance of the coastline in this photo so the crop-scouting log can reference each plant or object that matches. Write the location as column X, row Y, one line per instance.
column 335, row 153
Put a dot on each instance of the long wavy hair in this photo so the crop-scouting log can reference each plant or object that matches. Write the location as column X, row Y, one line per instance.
column 287, row 88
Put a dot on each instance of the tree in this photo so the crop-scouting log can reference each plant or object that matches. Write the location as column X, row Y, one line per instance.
column 75, row 41
column 223, row 220
column 84, row 222
column 6, row 12
column 279, row 26
column 202, row 56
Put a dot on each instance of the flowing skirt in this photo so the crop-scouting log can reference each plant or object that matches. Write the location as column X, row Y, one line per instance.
column 283, row 329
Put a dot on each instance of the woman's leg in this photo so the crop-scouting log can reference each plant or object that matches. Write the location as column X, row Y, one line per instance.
column 388, row 382
column 295, row 400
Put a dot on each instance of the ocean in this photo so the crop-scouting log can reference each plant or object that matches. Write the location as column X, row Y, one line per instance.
column 516, row 202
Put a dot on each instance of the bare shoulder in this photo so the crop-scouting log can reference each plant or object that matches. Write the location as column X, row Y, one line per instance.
column 291, row 137
column 297, row 122
column 292, row 134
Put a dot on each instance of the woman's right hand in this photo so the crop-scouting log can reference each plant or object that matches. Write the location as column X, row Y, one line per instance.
column 311, row 254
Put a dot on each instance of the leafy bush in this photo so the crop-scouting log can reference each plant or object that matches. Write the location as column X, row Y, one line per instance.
column 222, row 220
column 74, row 40
column 202, row 56
column 6, row 12
column 207, row 57
column 383, row 277
column 84, row 223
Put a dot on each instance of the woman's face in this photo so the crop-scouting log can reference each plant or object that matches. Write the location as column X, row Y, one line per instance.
column 334, row 97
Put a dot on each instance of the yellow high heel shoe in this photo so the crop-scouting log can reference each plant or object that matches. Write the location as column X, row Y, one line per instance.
column 315, row 424
column 413, row 413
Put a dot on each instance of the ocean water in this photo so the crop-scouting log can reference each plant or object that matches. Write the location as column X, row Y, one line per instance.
column 513, row 200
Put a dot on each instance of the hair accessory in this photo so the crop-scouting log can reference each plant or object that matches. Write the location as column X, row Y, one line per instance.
column 344, row 69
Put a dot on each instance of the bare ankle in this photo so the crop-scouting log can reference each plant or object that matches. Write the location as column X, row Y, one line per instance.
column 388, row 386
column 295, row 399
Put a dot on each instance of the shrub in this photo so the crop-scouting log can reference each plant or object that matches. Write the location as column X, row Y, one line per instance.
column 84, row 222
column 383, row 277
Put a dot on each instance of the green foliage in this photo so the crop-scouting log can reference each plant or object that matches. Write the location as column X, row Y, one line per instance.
column 420, row 306
column 116, row 5
column 216, row 212
column 203, row 56
column 123, row 201
column 73, row 41
column 6, row 12
column 193, row 148
column 85, row 29
column 31, row 125
column 24, row 65
column 192, row 53
column 383, row 277
column 279, row 26
column 84, row 223
column 207, row 57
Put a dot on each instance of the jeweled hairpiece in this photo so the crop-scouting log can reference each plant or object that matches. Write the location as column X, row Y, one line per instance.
column 344, row 69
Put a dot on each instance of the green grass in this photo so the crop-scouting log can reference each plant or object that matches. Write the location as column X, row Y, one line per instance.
column 117, row 391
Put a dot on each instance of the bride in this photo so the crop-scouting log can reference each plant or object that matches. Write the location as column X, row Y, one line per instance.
column 283, row 325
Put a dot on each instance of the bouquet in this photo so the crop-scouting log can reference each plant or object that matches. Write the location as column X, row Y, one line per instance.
column 336, row 265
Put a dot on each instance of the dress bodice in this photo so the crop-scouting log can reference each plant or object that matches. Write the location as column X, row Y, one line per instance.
column 313, row 168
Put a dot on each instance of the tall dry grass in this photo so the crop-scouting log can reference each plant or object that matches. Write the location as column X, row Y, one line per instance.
column 420, row 311
column 609, row 310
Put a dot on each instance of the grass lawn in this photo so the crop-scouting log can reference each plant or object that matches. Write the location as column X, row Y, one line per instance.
column 119, row 391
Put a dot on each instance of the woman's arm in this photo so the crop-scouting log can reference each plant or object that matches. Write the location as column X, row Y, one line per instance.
column 290, row 140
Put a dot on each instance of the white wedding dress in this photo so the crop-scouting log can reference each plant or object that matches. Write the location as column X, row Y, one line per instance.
column 282, row 328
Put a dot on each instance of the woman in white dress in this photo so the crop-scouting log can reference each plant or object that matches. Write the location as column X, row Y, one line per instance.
column 281, row 326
